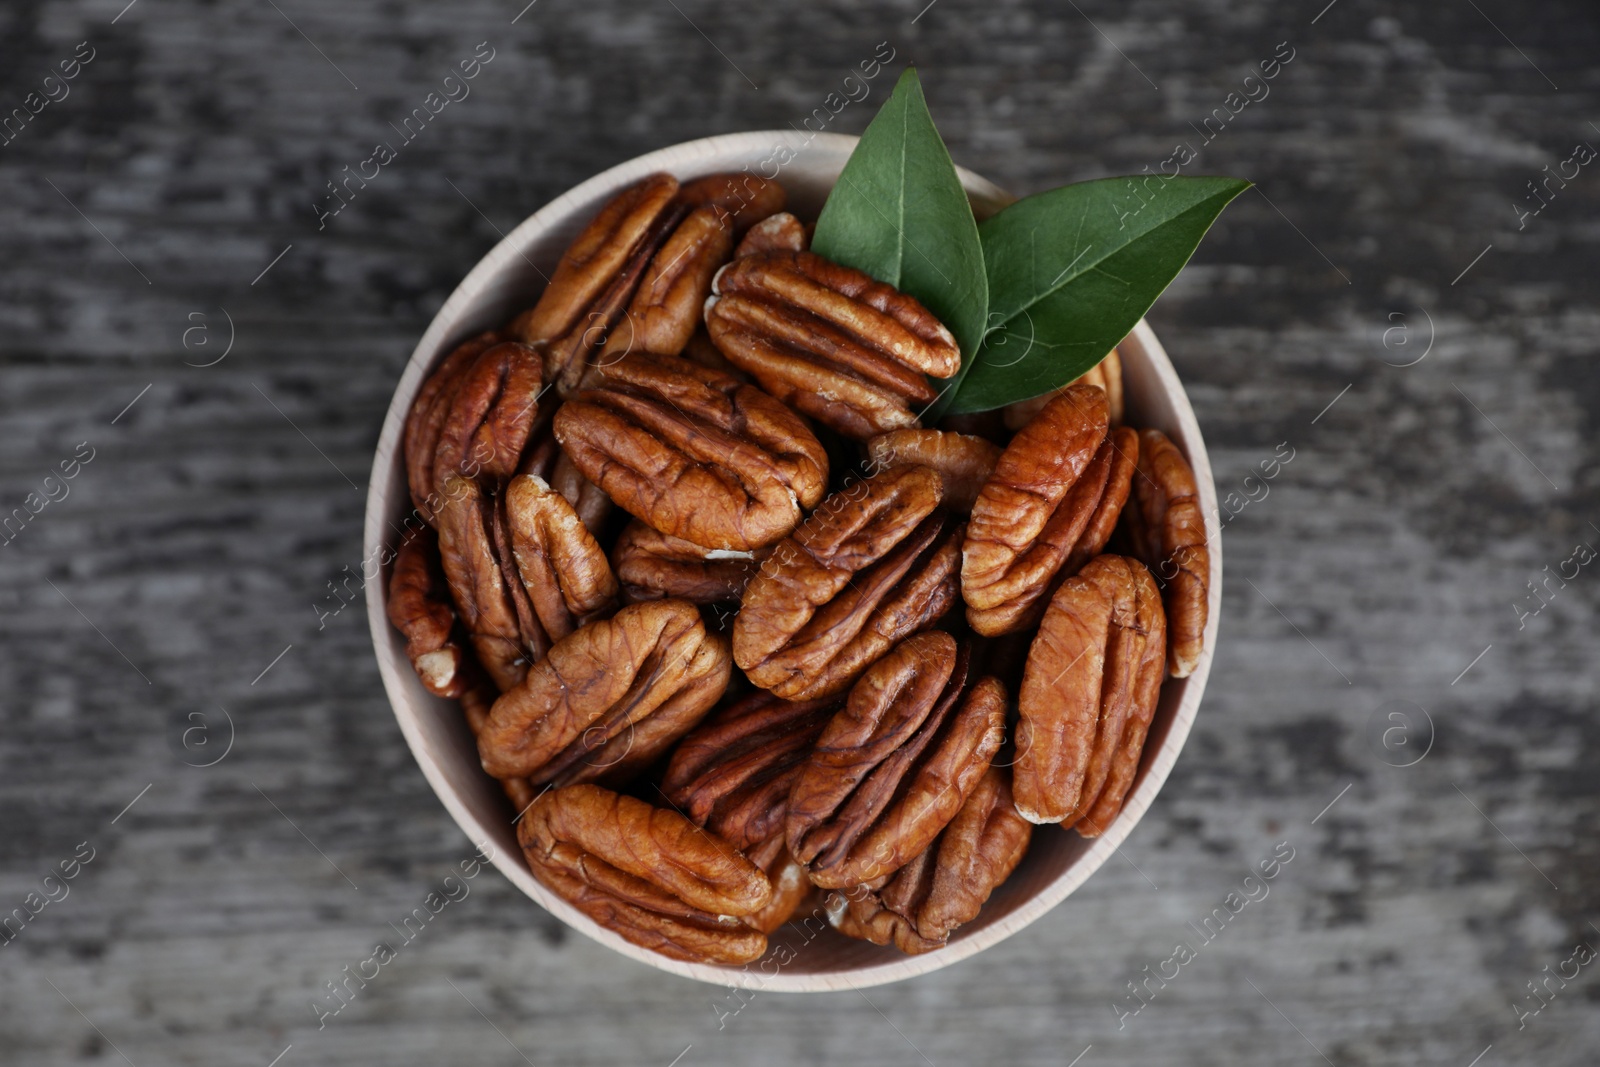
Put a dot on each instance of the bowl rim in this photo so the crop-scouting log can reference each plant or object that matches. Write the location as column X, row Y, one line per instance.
column 394, row 667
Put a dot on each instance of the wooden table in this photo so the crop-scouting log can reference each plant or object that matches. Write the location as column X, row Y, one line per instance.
column 1379, row 306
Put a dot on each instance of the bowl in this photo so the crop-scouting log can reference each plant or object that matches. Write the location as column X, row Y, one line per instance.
column 816, row 959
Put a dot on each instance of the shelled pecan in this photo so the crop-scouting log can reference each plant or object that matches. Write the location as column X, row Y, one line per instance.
column 478, row 584
column 694, row 453
column 650, row 564
column 647, row 874
column 847, row 350
column 419, row 607
column 491, row 415
column 733, row 773
column 665, row 309
column 948, row 884
column 545, row 459
column 1168, row 530
column 895, row 765
column 477, row 698
column 609, row 698
column 425, row 420
column 966, row 461
column 776, row 233
column 1056, row 491
column 562, row 567
column 1089, row 690
column 875, row 563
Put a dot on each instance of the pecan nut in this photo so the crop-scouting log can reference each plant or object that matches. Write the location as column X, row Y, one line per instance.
column 477, row 698
column 546, row 460
column 478, row 582
column 666, row 307
column 829, row 340
column 966, row 461
column 651, row 564
column 425, row 420
column 1058, row 487
column 1168, row 530
column 875, row 563
column 791, row 886
column 1107, row 374
column 1089, row 691
column 776, row 233
column 563, row 569
column 646, row 873
column 694, row 453
column 419, row 607
column 609, row 698
column 895, row 765
column 948, row 884
column 733, row 774
column 597, row 277
column 491, row 415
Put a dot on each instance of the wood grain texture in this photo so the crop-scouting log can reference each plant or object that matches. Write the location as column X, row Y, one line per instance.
column 198, row 543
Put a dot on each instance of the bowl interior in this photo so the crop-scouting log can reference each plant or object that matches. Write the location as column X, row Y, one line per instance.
column 806, row 955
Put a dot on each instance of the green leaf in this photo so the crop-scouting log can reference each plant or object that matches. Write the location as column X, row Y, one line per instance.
column 899, row 214
column 1072, row 270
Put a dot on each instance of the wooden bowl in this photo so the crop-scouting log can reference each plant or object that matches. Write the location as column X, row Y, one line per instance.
column 508, row 280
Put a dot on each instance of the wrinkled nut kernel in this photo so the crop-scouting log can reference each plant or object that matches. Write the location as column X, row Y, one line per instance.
column 694, row 453
column 651, row 564
column 893, row 768
column 425, row 421
column 733, row 773
column 545, row 459
column 948, row 884
column 609, row 698
column 875, row 563
column 1034, row 511
column 646, row 874
column 1169, row 533
column 477, row 582
column 563, row 569
column 1107, row 374
column 739, row 198
column 791, row 887
column 596, row 277
column 965, row 461
column 491, row 415
column 419, row 607
column 779, row 233
column 847, row 350
column 666, row 307
column 1089, row 691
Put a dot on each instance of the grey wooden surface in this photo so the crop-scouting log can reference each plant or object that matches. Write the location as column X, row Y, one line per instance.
column 195, row 549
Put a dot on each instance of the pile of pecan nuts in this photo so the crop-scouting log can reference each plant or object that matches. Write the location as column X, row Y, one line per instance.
column 738, row 635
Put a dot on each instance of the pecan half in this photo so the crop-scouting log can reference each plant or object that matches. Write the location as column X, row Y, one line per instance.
column 947, row 884
column 965, row 461
column 1107, row 374
column 1031, row 515
column 651, row 564
column 477, row 581
column 1169, row 533
column 875, row 563
column 477, row 697
column 646, row 873
column 563, row 569
column 829, row 340
column 776, row 233
column 609, row 698
column 425, row 421
column 733, row 773
column 694, row 453
column 491, row 415
column 896, row 764
column 419, row 607
column 546, row 460
column 592, row 260
column 1089, row 690
column 666, row 307
column 791, row 887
